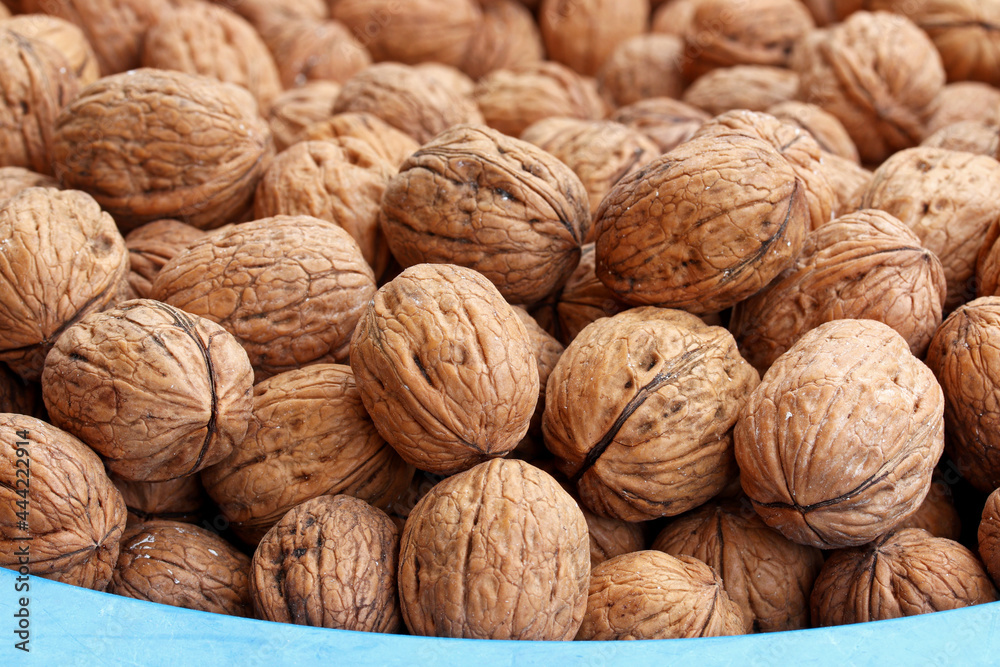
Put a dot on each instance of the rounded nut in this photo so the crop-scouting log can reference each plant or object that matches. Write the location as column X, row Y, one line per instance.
column 296, row 109
column 67, row 38
column 668, row 122
column 970, row 136
column 507, row 36
column 499, row 551
column 178, row 499
column 988, row 535
column 965, row 100
column 151, row 246
column 308, row 50
column 583, row 33
column 848, row 180
column 15, row 179
column 824, row 127
column 643, row 67
column 158, row 392
column 750, row 87
column 938, row 514
column 391, row 144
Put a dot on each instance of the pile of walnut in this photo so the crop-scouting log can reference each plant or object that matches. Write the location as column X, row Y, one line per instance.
column 538, row 320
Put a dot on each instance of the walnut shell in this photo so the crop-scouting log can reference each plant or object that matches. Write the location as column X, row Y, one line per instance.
column 296, row 109
column 970, row 136
column 905, row 573
column 178, row 499
column 673, row 17
column 182, row 565
column 752, row 87
column 547, row 351
column 878, row 73
column 392, row 144
column 18, row 396
column 647, row 434
column 865, row 265
column 154, row 244
column 209, row 142
column 988, row 535
column 837, row 444
column 67, row 38
column 266, row 15
column 961, row 355
column 75, row 515
column 702, row 227
column 948, row 198
column 612, row 537
column 158, row 392
column 937, row 514
column 61, row 258
column 507, row 36
column 988, row 261
column 289, row 288
column 308, row 50
column 642, row 67
column 824, row 127
column 310, row 436
column 445, row 368
column 652, row 595
column 848, row 180
column 499, row 551
column 477, row 198
column 965, row 100
column 768, row 576
column 15, row 179
column 407, row 98
column 330, row 562
column 583, row 33
column 668, row 122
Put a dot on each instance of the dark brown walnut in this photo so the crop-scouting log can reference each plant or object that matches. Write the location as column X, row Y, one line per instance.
column 180, row 499
column 310, row 436
column 723, row 33
column 289, row 288
column 961, row 355
column 970, row 136
column 507, row 36
column 337, row 181
column 61, row 258
column 937, row 514
column 579, row 302
column 407, row 98
column 640, row 409
column 308, row 50
column 668, row 122
column 480, row 199
column 18, row 396
column 499, row 551
column 210, row 147
column 65, row 37
column 878, row 73
column 965, row 100
column 948, row 198
column 652, row 595
column 904, row 573
column 75, row 514
column 674, row 17
column 753, row 87
column 768, row 576
column 642, row 67
column 824, row 127
column 157, row 392
column 151, row 246
column 391, row 144
column 988, row 535
column 865, row 265
column 202, row 38
column 582, row 34
column 600, row 152
column 512, row 99
column 838, row 443
column 702, row 227
column 848, row 180
column 175, row 563
column 330, row 562
column 15, row 179
column 296, row 109
column 412, row 32
column 547, row 351
column 445, row 368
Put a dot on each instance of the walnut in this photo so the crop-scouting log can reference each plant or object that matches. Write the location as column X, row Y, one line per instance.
column 309, row 436
column 961, row 354
column 450, row 77
column 182, row 565
column 445, row 368
column 848, row 180
column 752, row 87
column 178, row 499
column 15, row 179
column 65, row 37
column 408, row 99
column 583, row 33
column 652, row 595
column 865, row 265
column 723, row 33
column 547, row 351
column 512, row 539
column 75, row 514
column 904, row 573
column 154, row 244
column 302, row 285
column 61, row 257
column 201, row 38
column 507, row 36
column 988, row 535
column 512, row 99
column 837, row 444
column 965, row 100
column 674, row 17
column 639, row 411
column 948, row 198
column 330, row 562
column 308, row 50
column 988, row 262
column 412, row 32
column 600, row 152
column 668, row 122
column 937, row 514
column 970, row 136
column 209, row 142
column 702, row 227
column 296, row 109
column 340, row 182
column 480, row 199
column 266, row 15
column 878, row 73
column 158, row 392
column 422, row 482
column 392, row 144
column 612, row 537
column 824, row 127
column 768, row 576
column 18, row 396
column 642, row 67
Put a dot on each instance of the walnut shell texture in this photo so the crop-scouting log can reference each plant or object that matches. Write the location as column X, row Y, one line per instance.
column 15, row 179
column 154, row 244
column 392, row 144
column 668, row 122
column 824, row 127
column 642, row 67
column 752, row 87
column 582, row 34
column 307, row 50
column 938, row 514
column 988, row 535
column 296, row 109
column 965, row 100
column 507, row 37
column 180, row 499
column 65, row 37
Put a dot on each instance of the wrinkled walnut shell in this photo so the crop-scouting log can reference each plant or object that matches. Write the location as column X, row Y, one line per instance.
column 988, row 535
column 507, row 36
column 296, row 109
column 668, row 122
column 178, row 499
column 751, row 87
column 583, row 33
column 643, row 67
column 307, row 50
column 65, row 37
column 151, row 246
column 392, row 144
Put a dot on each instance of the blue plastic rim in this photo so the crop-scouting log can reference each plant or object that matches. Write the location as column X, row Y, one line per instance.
column 75, row 626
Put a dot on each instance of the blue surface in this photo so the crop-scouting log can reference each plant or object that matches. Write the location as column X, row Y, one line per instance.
column 74, row 626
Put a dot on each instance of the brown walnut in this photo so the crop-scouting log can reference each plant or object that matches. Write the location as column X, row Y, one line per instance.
column 938, row 514
column 15, row 179
column 643, row 67
column 151, row 246
column 67, row 38
column 988, row 535
column 583, row 33
column 965, row 100
column 824, row 127
column 668, row 122
column 296, row 109
column 848, row 180
column 507, row 36
column 308, row 50
column 180, row 499
column 391, row 144
column 752, row 87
